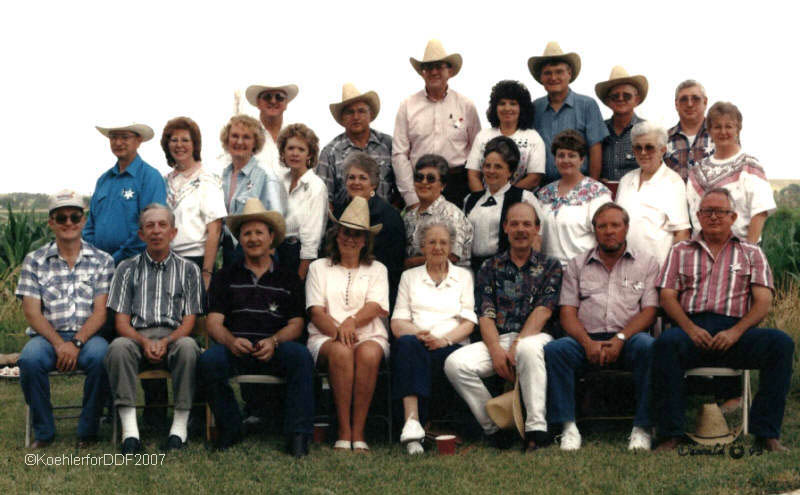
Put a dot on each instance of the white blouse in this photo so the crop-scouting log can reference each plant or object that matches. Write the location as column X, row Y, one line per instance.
column 531, row 151
column 486, row 220
column 307, row 211
column 195, row 201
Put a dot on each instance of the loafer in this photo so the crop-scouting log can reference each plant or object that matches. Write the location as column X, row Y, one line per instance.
column 131, row 445
column 174, row 442
column 298, row 445
column 41, row 444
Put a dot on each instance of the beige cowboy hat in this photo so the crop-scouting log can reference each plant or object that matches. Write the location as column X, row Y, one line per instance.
column 356, row 216
column 141, row 130
column 711, row 428
column 434, row 52
column 254, row 210
column 351, row 95
column 252, row 92
column 620, row 76
column 554, row 53
column 506, row 410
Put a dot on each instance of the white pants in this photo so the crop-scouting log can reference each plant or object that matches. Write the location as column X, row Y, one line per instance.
column 466, row 366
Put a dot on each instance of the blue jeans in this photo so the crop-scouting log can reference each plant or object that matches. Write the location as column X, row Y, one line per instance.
column 565, row 356
column 291, row 360
column 37, row 359
column 768, row 350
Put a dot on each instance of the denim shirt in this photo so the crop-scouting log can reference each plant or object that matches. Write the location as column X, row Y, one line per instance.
column 253, row 182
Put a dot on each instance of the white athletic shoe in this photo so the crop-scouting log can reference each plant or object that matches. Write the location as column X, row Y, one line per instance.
column 571, row 438
column 414, row 448
column 640, row 439
column 412, row 431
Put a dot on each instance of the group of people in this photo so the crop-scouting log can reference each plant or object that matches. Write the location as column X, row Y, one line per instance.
column 433, row 231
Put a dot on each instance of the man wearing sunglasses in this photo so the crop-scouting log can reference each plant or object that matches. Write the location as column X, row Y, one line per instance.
column 622, row 94
column 63, row 287
column 689, row 142
column 435, row 120
column 271, row 102
column 717, row 288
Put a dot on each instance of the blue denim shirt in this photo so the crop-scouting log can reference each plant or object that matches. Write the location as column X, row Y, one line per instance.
column 578, row 112
column 117, row 200
column 254, row 182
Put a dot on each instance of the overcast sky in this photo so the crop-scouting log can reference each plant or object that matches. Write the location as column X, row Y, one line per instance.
column 68, row 66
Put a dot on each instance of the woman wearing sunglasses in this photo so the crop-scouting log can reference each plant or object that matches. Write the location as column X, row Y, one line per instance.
column 430, row 179
column 653, row 195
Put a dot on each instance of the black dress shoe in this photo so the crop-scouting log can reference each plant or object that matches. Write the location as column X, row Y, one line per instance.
column 499, row 440
column 298, row 445
column 228, row 439
column 131, row 445
column 174, row 442
column 40, row 444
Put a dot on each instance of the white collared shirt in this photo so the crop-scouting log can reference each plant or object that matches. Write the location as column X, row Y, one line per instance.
column 438, row 309
column 486, row 220
column 195, row 201
column 307, row 212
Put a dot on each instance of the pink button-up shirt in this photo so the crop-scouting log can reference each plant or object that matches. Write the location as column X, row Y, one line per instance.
column 607, row 301
column 719, row 285
column 446, row 127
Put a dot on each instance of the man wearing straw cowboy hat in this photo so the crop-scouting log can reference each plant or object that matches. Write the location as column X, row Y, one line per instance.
column 354, row 113
column 564, row 109
column 255, row 316
column 271, row 102
column 622, row 93
column 435, row 120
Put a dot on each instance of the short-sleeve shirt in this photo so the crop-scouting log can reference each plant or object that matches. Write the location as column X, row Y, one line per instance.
column 607, row 301
column 508, row 294
column 531, row 151
column 67, row 295
column 156, row 294
column 618, row 157
column 746, row 180
column 256, row 308
column 718, row 285
column 196, row 201
column 253, row 182
column 436, row 308
column 682, row 154
column 442, row 211
column 578, row 112
column 307, row 213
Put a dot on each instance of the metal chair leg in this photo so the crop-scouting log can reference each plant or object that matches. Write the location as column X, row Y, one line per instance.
column 746, row 401
column 28, row 421
column 114, row 421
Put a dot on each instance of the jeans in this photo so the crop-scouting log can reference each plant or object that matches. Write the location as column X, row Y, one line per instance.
column 768, row 350
column 37, row 359
column 565, row 356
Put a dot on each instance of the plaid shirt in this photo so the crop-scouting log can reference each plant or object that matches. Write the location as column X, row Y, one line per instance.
column 156, row 294
column 509, row 294
column 331, row 165
column 618, row 157
column 682, row 155
column 718, row 285
column 67, row 295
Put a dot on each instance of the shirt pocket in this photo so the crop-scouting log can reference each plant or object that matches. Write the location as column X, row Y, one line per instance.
column 590, row 288
column 630, row 292
column 49, row 289
column 85, row 288
column 456, row 131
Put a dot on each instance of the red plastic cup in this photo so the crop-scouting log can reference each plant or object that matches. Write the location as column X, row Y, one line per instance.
column 446, row 444
column 320, row 432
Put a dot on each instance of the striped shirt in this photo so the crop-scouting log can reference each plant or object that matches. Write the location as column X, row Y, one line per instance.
column 255, row 308
column 720, row 285
column 67, row 295
column 156, row 294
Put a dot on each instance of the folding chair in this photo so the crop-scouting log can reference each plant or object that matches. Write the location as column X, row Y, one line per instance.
column 258, row 379
column 29, row 413
column 746, row 395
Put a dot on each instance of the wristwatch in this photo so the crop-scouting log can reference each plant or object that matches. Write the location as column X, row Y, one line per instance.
column 77, row 342
column 620, row 336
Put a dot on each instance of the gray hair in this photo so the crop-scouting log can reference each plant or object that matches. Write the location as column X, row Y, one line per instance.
column 157, row 206
column 690, row 83
column 724, row 192
column 426, row 226
column 645, row 128
column 611, row 206
column 364, row 162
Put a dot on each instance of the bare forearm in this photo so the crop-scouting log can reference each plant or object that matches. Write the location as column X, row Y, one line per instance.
column 369, row 312
column 291, row 331
column 402, row 327
column 37, row 321
column 596, row 160
column 489, row 333
column 674, row 310
column 756, row 227
column 573, row 326
column 122, row 322
column 641, row 321
column 213, row 230
column 474, row 180
column 184, row 329
column 536, row 321
column 216, row 329
column 323, row 321
column 460, row 332
column 92, row 325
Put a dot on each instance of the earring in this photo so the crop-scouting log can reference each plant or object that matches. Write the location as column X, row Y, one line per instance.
column 371, row 193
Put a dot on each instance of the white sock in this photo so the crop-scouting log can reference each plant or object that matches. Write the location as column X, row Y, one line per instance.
column 127, row 416
column 570, row 425
column 414, row 448
column 180, row 420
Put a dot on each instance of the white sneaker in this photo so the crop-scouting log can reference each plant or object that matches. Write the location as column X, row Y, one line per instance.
column 640, row 439
column 252, row 421
column 571, row 438
column 412, row 431
column 414, row 448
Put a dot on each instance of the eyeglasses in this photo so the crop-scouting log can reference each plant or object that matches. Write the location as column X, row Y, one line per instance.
column 685, row 99
column 353, row 233
column 278, row 97
column 710, row 212
column 647, row 148
column 429, row 66
column 74, row 217
column 429, row 178
column 620, row 96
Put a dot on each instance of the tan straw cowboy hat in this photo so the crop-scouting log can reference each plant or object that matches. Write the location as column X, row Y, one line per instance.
column 505, row 410
column 356, row 216
column 254, row 210
column 434, row 52
column 351, row 95
column 712, row 429
column 620, row 76
column 252, row 92
column 141, row 130
column 554, row 53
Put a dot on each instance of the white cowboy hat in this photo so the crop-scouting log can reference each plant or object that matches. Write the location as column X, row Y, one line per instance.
column 554, row 53
column 252, row 92
column 254, row 210
column 351, row 95
column 620, row 76
column 505, row 410
column 712, row 429
column 434, row 52
column 141, row 130
column 356, row 216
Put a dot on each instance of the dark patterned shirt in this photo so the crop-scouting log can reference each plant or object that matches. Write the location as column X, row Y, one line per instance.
column 618, row 157
column 682, row 155
column 508, row 294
